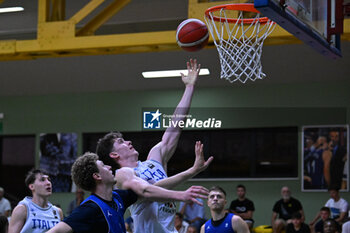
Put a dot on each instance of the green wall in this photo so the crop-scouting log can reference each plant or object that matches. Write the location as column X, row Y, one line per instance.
column 99, row 112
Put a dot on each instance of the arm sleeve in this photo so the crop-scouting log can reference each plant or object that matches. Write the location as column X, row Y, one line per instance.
column 251, row 206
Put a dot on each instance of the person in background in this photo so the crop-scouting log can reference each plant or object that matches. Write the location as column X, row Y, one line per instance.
column 283, row 210
column 242, row 206
column 36, row 213
column 297, row 226
column 79, row 198
column 5, row 206
column 180, row 225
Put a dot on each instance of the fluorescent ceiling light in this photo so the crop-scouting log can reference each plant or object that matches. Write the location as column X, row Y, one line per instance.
column 11, row 9
column 171, row 73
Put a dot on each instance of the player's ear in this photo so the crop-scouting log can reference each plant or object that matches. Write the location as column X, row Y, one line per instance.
column 31, row 187
column 114, row 155
column 96, row 176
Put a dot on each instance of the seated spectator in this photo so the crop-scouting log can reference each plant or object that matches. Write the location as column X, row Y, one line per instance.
column 283, row 210
column 297, row 225
column 5, row 206
column 191, row 229
column 330, row 226
column 242, row 206
column 180, row 225
column 193, row 213
column 337, row 205
column 325, row 213
column 79, row 198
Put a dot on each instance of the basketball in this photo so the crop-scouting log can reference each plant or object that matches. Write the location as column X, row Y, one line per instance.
column 192, row 35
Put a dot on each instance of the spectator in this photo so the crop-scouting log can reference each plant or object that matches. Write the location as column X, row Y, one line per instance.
column 337, row 205
column 325, row 213
column 79, row 198
column 297, row 225
column 193, row 213
column 242, row 206
column 330, row 226
column 191, row 229
column 5, row 207
column 283, row 210
column 180, row 225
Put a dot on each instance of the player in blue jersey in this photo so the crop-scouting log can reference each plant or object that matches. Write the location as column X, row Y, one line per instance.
column 117, row 152
column 103, row 211
column 222, row 222
column 35, row 214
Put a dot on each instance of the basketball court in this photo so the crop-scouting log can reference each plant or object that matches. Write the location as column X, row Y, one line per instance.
column 55, row 79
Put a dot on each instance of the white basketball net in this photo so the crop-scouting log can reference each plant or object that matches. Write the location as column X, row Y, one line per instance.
column 239, row 46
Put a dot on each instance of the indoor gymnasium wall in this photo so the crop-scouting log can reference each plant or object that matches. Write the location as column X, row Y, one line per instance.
column 101, row 112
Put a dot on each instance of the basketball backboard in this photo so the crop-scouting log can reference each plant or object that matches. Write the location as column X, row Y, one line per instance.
column 318, row 23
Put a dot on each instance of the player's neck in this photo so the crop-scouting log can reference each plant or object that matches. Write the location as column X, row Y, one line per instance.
column 217, row 215
column 241, row 198
column 128, row 163
column 40, row 201
column 104, row 191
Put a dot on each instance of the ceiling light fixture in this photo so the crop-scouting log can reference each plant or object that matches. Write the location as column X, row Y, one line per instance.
column 11, row 9
column 171, row 73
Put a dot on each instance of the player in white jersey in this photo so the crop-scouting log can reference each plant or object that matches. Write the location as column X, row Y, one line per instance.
column 35, row 214
column 113, row 150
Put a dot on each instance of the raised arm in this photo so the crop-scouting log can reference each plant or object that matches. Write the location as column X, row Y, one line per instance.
column 163, row 151
column 199, row 165
column 126, row 179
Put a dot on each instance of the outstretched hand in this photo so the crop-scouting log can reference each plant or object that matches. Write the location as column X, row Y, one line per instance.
column 194, row 192
column 193, row 71
column 200, row 164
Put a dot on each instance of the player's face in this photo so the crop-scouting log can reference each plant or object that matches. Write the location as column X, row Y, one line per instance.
column 42, row 185
column 240, row 192
column 105, row 172
column 216, row 200
column 124, row 148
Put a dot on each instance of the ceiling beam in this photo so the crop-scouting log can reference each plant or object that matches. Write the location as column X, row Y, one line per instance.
column 57, row 37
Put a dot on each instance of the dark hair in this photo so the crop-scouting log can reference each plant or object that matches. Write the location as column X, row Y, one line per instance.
column 296, row 215
column 105, row 147
column 31, row 176
column 83, row 169
column 217, row 188
column 179, row 215
column 241, row 186
column 325, row 209
column 333, row 187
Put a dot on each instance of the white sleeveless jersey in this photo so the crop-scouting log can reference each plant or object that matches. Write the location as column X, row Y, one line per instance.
column 157, row 217
column 39, row 219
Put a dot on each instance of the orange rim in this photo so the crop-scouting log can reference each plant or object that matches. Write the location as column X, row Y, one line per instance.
column 248, row 7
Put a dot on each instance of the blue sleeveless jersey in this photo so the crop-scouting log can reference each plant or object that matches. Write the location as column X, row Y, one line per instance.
column 224, row 227
column 114, row 217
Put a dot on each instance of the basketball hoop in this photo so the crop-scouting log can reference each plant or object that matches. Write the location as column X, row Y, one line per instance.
column 239, row 40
